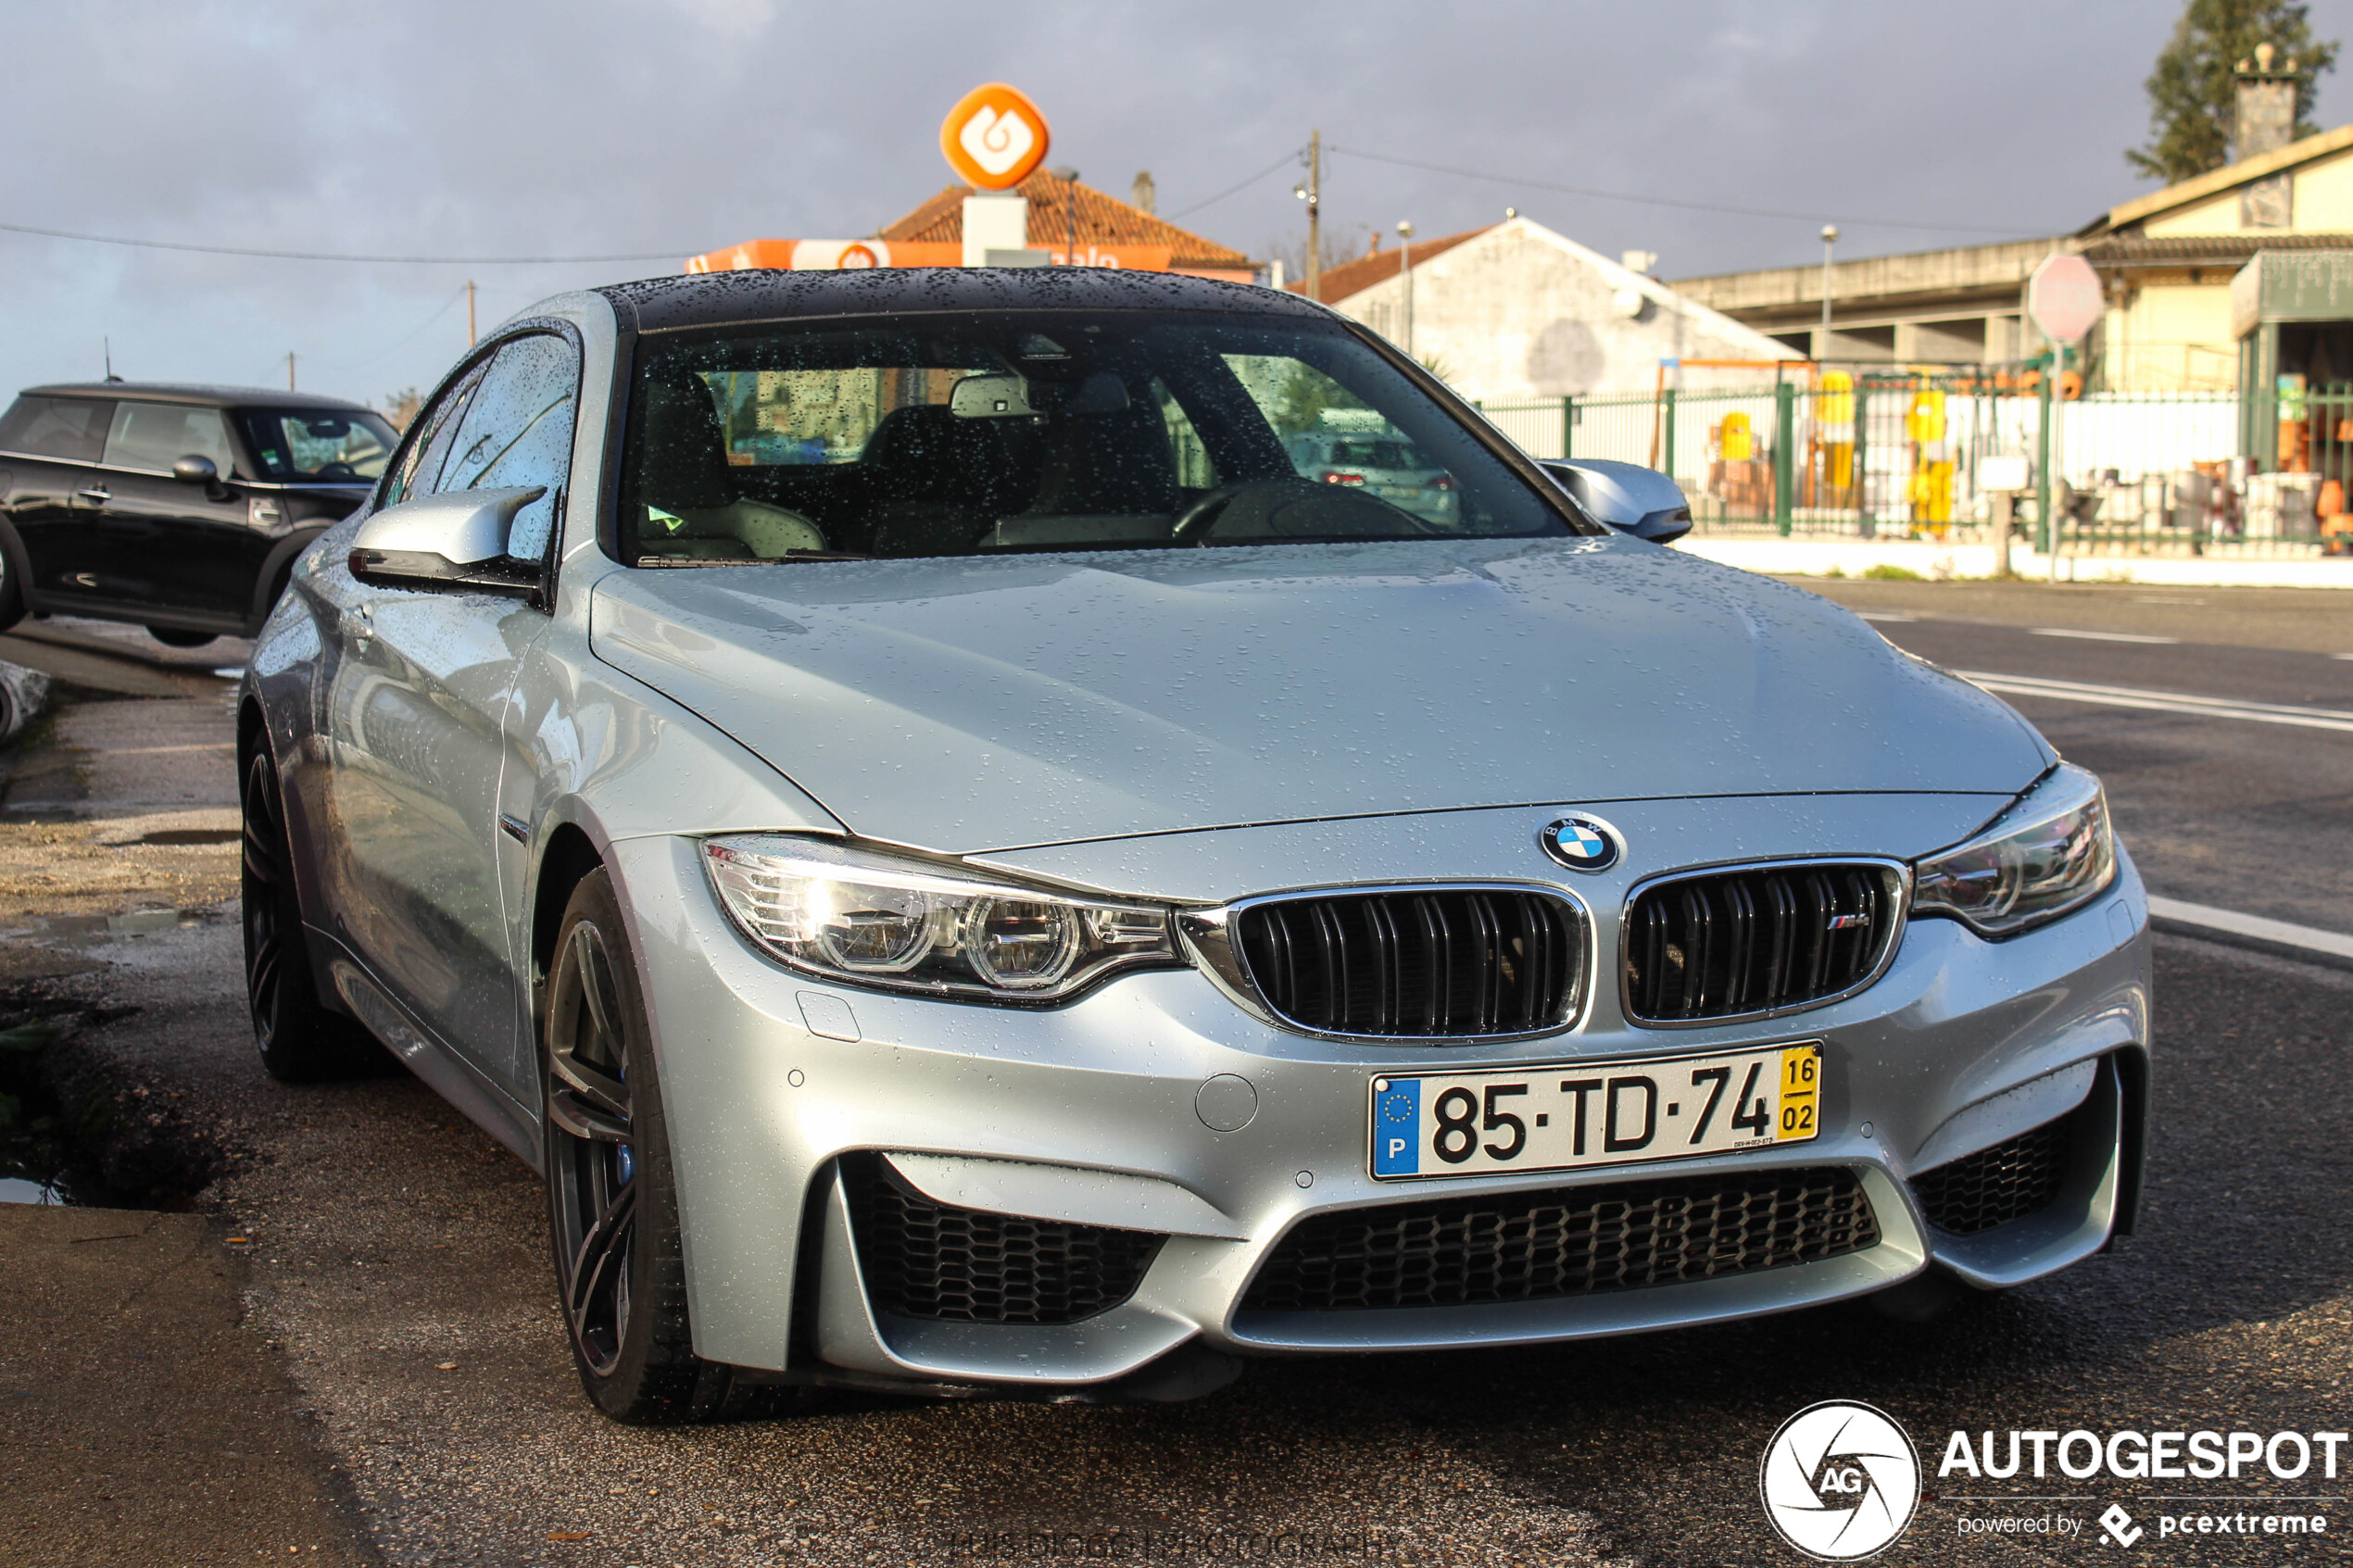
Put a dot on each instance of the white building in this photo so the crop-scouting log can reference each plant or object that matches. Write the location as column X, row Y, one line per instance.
column 1517, row 312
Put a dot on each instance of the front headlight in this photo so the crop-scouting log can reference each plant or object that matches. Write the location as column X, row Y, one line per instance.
column 878, row 919
column 2049, row 854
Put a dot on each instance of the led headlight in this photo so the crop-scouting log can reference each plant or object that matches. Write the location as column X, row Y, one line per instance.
column 880, row 920
column 2049, row 854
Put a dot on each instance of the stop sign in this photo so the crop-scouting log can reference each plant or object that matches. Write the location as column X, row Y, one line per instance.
column 2063, row 297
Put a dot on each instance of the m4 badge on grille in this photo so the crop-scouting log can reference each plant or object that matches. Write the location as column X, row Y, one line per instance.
column 1581, row 843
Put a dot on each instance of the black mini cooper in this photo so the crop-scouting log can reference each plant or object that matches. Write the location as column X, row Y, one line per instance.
column 179, row 508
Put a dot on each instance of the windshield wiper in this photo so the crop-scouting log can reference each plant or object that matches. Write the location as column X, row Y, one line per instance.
column 674, row 563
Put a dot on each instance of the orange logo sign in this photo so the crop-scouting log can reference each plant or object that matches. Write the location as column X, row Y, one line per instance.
column 994, row 137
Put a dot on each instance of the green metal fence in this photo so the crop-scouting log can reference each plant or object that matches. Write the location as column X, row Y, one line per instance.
column 1964, row 455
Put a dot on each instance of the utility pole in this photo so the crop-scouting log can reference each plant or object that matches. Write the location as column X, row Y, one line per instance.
column 1829, row 239
column 1405, row 277
column 470, row 313
column 290, row 385
column 1311, row 193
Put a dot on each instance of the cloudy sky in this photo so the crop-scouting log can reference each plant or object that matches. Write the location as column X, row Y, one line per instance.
column 668, row 127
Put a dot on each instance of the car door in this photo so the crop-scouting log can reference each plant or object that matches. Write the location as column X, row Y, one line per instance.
column 165, row 543
column 418, row 707
column 50, row 446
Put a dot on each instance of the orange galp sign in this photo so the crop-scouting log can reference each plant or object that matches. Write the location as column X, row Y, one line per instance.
column 994, row 137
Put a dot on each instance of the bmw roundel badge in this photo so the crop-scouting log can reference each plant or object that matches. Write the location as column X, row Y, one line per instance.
column 1581, row 843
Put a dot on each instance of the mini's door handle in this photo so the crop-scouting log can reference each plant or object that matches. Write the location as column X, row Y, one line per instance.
column 95, row 493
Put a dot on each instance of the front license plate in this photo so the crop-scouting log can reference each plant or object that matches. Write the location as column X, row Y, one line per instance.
column 1572, row 1115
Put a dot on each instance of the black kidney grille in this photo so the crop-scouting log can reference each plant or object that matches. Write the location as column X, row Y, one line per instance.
column 1577, row 1241
column 1995, row 1185
column 927, row 1259
column 1752, row 941
column 1426, row 963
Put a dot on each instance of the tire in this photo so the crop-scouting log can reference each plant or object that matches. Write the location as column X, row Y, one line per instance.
column 300, row 1040
column 11, row 592
column 172, row 637
column 612, row 1209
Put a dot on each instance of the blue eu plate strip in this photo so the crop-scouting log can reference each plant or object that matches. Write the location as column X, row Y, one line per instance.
column 1397, row 1122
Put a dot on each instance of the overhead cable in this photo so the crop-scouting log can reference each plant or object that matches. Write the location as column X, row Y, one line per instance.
column 333, row 256
column 1686, row 206
column 1230, row 190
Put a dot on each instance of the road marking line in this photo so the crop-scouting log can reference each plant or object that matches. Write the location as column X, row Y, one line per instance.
column 2162, row 702
column 2231, row 922
column 2102, row 636
column 1885, row 615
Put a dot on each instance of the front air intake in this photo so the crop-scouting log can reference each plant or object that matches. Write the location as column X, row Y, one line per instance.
column 1758, row 940
column 924, row 1259
column 1572, row 1241
column 1417, row 963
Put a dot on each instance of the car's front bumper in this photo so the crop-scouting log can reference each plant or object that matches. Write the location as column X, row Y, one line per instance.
column 1090, row 1114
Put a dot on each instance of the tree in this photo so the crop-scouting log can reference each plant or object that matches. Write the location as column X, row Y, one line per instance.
column 2194, row 92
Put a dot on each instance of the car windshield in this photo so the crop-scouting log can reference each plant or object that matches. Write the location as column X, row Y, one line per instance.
column 319, row 446
column 962, row 435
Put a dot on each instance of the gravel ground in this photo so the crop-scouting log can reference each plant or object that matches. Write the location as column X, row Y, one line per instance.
column 396, row 1262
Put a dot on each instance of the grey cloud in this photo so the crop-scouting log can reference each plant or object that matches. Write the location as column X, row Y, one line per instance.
column 676, row 126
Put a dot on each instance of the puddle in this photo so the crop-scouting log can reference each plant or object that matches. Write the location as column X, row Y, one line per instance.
column 82, row 930
column 74, row 1131
column 176, row 836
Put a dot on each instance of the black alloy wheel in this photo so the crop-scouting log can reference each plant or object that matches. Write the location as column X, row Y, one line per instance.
column 300, row 1040
column 612, row 1210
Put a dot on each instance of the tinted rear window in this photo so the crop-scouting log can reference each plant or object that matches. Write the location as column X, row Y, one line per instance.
column 73, row 428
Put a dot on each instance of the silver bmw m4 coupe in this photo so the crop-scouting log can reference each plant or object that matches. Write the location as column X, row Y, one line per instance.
column 968, row 869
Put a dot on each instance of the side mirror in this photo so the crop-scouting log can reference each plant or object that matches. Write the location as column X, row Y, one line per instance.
column 454, row 540
column 195, row 469
column 1627, row 497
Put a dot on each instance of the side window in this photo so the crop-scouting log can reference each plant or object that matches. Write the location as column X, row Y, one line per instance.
column 518, row 432
column 156, row 435
column 436, row 427
column 1194, row 469
column 70, row 429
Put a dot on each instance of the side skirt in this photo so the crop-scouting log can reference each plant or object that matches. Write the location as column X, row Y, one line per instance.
column 424, row 1053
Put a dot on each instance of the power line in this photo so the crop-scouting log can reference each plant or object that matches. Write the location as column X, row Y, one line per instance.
column 330, row 256
column 1686, row 206
column 1229, row 190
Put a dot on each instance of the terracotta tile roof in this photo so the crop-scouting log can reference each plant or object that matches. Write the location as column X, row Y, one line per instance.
column 1102, row 219
column 1351, row 277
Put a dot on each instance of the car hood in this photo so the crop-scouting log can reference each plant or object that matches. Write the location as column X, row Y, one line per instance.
column 990, row 702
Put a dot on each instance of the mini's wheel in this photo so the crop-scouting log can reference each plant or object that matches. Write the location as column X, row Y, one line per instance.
column 612, row 1210
column 173, row 638
column 299, row 1039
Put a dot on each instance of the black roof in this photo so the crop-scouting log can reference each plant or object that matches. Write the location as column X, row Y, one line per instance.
column 763, row 293
column 210, row 397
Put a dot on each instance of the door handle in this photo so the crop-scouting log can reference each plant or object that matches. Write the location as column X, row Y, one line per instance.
column 95, row 493
column 358, row 626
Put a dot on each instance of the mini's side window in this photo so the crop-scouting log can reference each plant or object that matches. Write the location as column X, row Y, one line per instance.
column 155, row 435
column 517, row 431
column 72, row 430
column 436, row 427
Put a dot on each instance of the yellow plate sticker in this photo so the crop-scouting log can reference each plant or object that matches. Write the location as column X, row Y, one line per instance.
column 1800, row 1093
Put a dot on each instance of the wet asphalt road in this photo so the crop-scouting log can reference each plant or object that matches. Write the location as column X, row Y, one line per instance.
column 388, row 1239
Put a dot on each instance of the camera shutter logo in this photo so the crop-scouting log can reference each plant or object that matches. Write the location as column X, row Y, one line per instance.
column 994, row 137
column 1840, row 1481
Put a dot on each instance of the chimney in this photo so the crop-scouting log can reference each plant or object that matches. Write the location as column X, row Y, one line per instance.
column 1144, row 195
column 2266, row 106
column 2266, row 122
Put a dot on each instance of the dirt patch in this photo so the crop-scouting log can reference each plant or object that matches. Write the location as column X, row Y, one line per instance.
column 81, row 1123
